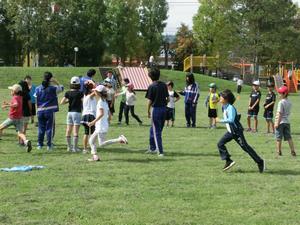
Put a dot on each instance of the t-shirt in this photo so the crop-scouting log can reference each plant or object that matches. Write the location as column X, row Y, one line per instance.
column 271, row 97
column 89, row 105
column 123, row 94
column 213, row 97
column 172, row 97
column 284, row 107
column 82, row 82
column 102, row 124
column 113, row 82
column 26, row 111
column 254, row 96
column 157, row 92
column 32, row 91
column 16, row 112
column 75, row 100
column 130, row 98
column 240, row 82
column 110, row 94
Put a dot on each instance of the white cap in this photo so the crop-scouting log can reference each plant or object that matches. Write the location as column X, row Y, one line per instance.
column 100, row 88
column 256, row 83
column 75, row 80
column 15, row 88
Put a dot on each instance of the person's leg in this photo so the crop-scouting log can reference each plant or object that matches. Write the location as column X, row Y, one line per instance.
column 292, row 147
column 278, row 147
column 75, row 137
column 41, row 128
column 255, row 123
column 268, row 125
column 224, row 154
column 249, row 122
column 173, row 117
column 126, row 112
column 193, row 114
column 102, row 140
column 272, row 126
column 158, row 124
column 121, row 110
column 68, row 136
column 134, row 115
column 49, row 128
column 187, row 114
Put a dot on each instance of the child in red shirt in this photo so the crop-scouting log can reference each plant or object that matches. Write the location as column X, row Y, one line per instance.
column 15, row 115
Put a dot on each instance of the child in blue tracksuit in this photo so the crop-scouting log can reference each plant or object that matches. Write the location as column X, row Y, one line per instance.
column 47, row 105
column 234, row 132
column 157, row 95
column 191, row 95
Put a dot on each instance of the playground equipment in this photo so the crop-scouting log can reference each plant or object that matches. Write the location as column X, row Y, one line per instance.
column 200, row 61
column 288, row 76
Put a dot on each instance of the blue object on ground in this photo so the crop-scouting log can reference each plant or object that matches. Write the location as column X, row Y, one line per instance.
column 22, row 168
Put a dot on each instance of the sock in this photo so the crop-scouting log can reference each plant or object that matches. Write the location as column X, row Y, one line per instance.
column 69, row 141
column 75, row 142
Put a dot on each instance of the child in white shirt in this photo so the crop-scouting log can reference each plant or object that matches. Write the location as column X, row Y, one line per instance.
column 130, row 101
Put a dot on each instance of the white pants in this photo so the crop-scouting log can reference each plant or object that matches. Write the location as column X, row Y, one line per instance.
column 101, row 140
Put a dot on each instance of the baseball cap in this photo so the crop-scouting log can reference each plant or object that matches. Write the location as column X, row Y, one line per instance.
column 256, row 83
column 283, row 90
column 15, row 88
column 75, row 80
column 100, row 88
column 212, row 85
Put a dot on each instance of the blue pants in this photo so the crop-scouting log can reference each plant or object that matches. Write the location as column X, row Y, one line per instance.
column 157, row 125
column 190, row 114
column 46, row 125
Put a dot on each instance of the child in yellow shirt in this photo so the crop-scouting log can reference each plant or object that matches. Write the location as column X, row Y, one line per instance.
column 212, row 104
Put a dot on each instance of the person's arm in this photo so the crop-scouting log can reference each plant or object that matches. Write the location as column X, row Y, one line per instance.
column 278, row 116
column 177, row 97
column 269, row 105
column 255, row 104
column 231, row 114
column 29, row 107
column 64, row 101
column 149, row 108
column 97, row 118
column 249, row 103
column 196, row 95
column 8, row 105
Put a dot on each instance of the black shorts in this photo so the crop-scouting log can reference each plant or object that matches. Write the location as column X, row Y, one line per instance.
column 111, row 108
column 86, row 119
column 253, row 112
column 212, row 113
column 170, row 114
column 239, row 89
column 268, row 115
column 33, row 109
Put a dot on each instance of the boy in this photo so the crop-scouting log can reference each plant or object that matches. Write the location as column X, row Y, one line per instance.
column 173, row 97
column 212, row 103
column 253, row 107
column 157, row 95
column 123, row 99
column 269, row 107
column 235, row 132
column 282, row 124
column 15, row 114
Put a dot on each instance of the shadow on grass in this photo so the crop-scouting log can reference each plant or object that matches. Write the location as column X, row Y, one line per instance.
column 146, row 160
column 280, row 172
column 184, row 154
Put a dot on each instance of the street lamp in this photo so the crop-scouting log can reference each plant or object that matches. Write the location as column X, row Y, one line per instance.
column 76, row 49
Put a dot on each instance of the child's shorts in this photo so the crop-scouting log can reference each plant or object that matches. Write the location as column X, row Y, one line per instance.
column 253, row 112
column 212, row 113
column 268, row 115
column 26, row 119
column 73, row 118
column 86, row 119
column 170, row 114
column 33, row 109
column 111, row 107
column 283, row 131
column 18, row 123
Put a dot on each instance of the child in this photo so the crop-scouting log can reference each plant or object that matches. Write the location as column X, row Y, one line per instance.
column 234, row 132
column 15, row 115
column 32, row 88
column 88, row 113
column 110, row 97
column 282, row 123
column 239, row 84
column 74, row 98
column 253, row 107
column 212, row 103
column 173, row 97
column 102, row 123
column 269, row 107
column 130, row 101
column 123, row 99
column 191, row 95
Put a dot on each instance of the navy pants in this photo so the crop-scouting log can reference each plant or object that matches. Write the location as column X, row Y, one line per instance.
column 131, row 109
column 157, row 124
column 240, row 139
column 46, row 125
column 121, row 110
column 190, row 114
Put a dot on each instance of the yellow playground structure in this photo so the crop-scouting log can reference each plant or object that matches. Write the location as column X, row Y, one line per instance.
column 200, row 61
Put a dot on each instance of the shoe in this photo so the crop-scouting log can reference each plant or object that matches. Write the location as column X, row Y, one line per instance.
column 119, row 123
column 39, row 147
column 293, row 153
column 228, row 165
column 69, row 149
column 261, row 166
column 28, row 146
column 254, row 131
column 151, row 151
column 76, row 150
column 188, row 125
column 85, row 151
column 160, row 155
column 123, row 139
column 49, row 148
column 279, row 153
column 94, row 158
column 248, row 130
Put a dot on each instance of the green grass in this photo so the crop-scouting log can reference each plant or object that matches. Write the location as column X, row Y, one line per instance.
column 187, row 186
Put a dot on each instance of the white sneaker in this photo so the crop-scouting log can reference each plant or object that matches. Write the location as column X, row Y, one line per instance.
column 76, row 150
column 160, row 155
column 123, row 139
column 39, row 147
column 151, row 152
column 85, row 151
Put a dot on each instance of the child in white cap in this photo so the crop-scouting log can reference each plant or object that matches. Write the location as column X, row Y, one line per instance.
column 253, row 106
column 102, row 124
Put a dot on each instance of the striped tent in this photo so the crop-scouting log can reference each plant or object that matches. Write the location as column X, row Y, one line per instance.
column 136, row 75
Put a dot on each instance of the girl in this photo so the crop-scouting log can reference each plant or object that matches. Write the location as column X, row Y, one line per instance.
column 123, row 99
column 173, row 98
column 102, row 123
column 191, row 95
column 234, row 132
column 74, row 98
column 89, row 112
column 130, row 100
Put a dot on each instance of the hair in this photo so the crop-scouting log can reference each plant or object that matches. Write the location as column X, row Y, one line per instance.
column 28, row 77
column 126, row 80
column 170, row 83
column 25, row 88
column 154, row 74
column 91, row 73
column 88, row 89
column 75, row 86
column 228, row 96
column 191, row 78
column 103, row 94
column 47, row 78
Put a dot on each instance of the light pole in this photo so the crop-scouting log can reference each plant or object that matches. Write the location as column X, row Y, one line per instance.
column 76, row 49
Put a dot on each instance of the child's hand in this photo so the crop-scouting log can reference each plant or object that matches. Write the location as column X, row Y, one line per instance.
column 149, row 115
column 90, row 124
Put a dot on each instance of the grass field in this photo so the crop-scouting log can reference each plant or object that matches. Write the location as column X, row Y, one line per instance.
column 187, row 186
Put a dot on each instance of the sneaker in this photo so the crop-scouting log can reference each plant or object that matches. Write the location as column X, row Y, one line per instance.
column 39, row 147
column 76, row 150
column 160, row 155
column 94, row 158
column 228, row 165
column 261, row 166
column 69, row 149
column 85, row 151
column 123, row 139
column 28, row 146
column 293, row 153
column 248, row 130
column 149, row 151
column 49, row 148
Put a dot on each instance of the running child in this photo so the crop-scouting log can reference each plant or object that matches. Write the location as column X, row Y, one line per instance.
column 101, row 122
column 15, row 115
column 74, row 98
column 253, row 106
column 173, row 98
column 269, row 107
column 130, row 102
column 212, row 104
column 123, row 99
column 235, row 132
column 282, row 124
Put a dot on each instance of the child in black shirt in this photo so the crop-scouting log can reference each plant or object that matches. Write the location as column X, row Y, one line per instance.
column 253, row 107
column 269, row 107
